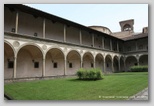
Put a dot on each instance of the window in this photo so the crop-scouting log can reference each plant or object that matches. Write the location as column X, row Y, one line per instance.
column 70, row 65
column 36, row 64
column 92, row 65
column 55, row 65
column 10, row 64
column 127, row 27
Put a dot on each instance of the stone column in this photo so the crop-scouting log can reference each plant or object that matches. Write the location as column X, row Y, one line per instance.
column 94, row 63
column 64, row 33
column 80, row 33
column 103, row 42
column 104, row 66
column 112, row 66
column 125, row 64
column 93, row 42
column 110, row 44
column 119, row 65
column 44, row 28
column 136, row 44
column 65, row 65
column 15, row 67
column 117, row 46
column 138, row 62
column 43, row 70
column 123, row 47
column 81, row 62
column 16, row 23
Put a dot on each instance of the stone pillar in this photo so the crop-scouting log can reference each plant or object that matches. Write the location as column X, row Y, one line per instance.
column 125, row 64
column 103, row 42
column 119, row 65
column 94, row 63
column 64, row 33
column 93, row 43
column 112, row 66
column 136, row 44
column 44, row 28
column 65, row 65
column 110, row 44
column 104, row 66
column 117, row 46
column 43, row 70
column 81, row 62
column 15, row 67
column 123, row 47
column 80, row 33
column 138, row 62
column 16, row 23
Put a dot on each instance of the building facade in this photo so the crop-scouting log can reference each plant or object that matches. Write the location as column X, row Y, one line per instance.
column 39, row 45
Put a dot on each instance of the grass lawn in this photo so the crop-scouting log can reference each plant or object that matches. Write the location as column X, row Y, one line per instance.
column 112, row 87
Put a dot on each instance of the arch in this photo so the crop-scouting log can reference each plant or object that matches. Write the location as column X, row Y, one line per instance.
column 29, row 61
column 54, row 60
column 143, row 59
column 116, row 64
column 130, row 61
column 32, row 44
column 122, row 67
column 55, row 47
column 74, row 51
column 73, row 62
column 127, row 27
column 88, row 60
column 99, row 61
column 9, row 54
column 10, row 46
column 108, row 63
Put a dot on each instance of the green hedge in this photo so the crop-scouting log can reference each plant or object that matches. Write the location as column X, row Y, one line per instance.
column 89, row 74
column 139, row 69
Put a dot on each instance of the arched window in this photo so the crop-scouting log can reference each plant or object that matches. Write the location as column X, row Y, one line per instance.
column 127, row 27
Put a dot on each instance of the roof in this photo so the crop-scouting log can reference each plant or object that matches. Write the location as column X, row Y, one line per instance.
column 136, row 36
column 126, row 20
column 42, row 14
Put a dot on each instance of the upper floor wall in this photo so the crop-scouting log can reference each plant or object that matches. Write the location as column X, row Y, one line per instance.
column 136, row 45
column 19, row 22
column 26, row 24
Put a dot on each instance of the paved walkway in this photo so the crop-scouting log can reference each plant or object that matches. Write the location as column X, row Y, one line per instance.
column 143, row 95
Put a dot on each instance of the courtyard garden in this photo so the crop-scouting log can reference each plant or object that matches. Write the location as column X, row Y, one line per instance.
column 116, row 86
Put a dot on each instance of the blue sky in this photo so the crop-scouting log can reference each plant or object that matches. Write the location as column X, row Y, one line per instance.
column 107, row 15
